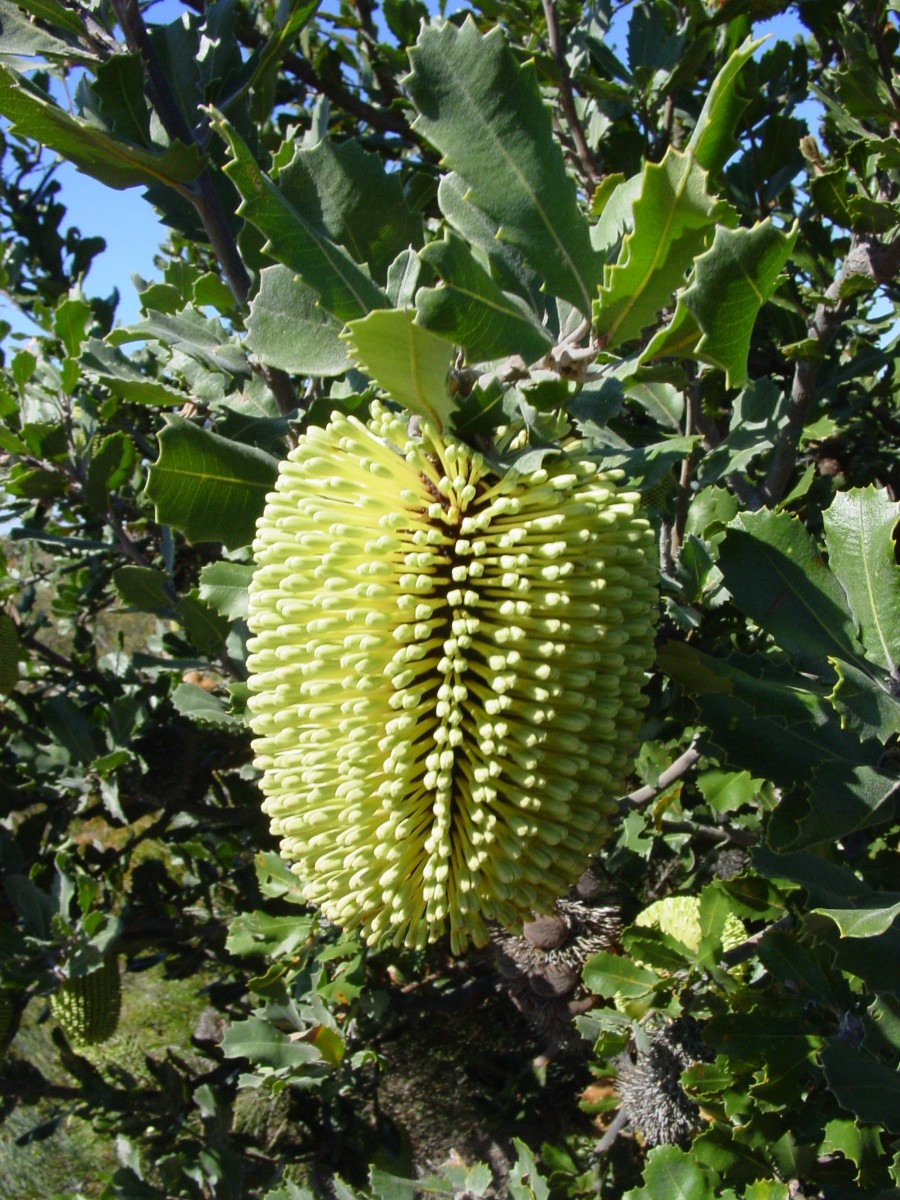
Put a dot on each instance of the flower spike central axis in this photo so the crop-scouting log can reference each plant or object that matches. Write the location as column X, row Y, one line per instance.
column 446, row 670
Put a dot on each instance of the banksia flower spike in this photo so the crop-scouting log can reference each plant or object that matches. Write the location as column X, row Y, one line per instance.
column 87, row 1007
column 446, row 670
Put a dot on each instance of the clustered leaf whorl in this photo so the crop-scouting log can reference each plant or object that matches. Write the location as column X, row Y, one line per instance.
column 446, row 671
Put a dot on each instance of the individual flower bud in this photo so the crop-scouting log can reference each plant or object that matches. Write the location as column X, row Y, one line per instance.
column 87, row 1007
column 445, row 670
column 649, row 1082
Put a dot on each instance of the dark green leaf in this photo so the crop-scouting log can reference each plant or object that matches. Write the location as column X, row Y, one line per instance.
column 778, row 577
column 144, row 588
column 473, row 311
column 207, row 487
column 863, row 1084
column 486, row 116
column 347, row 193
column 116, row 163
column 287, row 328
column 344, row 289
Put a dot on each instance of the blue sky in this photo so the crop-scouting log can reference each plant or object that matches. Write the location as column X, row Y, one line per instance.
column 132, row 230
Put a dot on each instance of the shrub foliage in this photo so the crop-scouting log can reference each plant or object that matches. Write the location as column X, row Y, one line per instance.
column 632, row 234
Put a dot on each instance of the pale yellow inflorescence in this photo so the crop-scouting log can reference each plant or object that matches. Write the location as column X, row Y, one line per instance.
column 446, row 670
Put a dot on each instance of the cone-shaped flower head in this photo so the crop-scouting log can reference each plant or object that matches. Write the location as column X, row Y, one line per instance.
column 87, row 1007
column 446, row 670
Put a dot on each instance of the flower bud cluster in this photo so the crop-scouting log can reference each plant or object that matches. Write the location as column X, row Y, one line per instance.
column 446, row 670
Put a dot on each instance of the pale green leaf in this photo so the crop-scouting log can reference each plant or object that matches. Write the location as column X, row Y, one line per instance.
column 859, row 526
column 211, row 489
column 615, row 975
column 117, row 163
column 865, row 920
column 293, row 238
column 286, row 327
column 223, row 585
column 713, row 141
column 109, row 366
column 198, row 705
column 673, row 219
column 672, row 1174
column 486, row 116
column 406, row 361
column 261, row 1043
column 473, row 311
column 22, row 38
column 730, row 284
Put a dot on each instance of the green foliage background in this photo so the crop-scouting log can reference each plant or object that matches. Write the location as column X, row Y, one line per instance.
column 507, row 221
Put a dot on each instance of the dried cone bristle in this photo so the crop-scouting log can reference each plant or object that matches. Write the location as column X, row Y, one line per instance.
column 446, row 671
column 87, row 1007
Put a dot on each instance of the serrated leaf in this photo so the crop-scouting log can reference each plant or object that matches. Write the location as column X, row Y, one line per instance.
column 778, row 578
column 343, row 288
column 614, row 975
column 111, row 464
column 671, row 1174
column 263, row 934
column 673, row 219
column 210, row 489
column 199, row 705
column 781, row 731
column 859, row 525
column 863, row 1084
column 262, row 1044
column 22, row 38
column 508, row 265
column 205, row 628
column 859, row 1144
column 347, row 193
column 731, row 282
column 865, row 701
column 116, row 163
column 223, row 585
column 109, row 366
column 144, row 588
column 406, row 361
column 486, row 116
column 473, row 311
column 865, row 920
column 286, row 327
column 712, row 140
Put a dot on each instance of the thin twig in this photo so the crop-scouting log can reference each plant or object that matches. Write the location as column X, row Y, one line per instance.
column 747, row 949
column 202, row 191
column 676, row 770
column 619, row 1123
column 567, row 95
column 867, row 257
